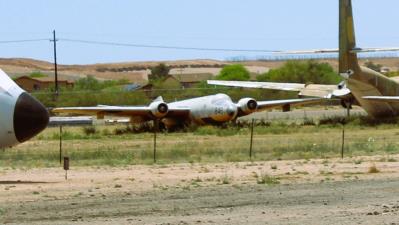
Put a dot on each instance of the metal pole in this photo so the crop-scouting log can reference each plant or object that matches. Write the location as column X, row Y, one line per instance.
column 155, row 140
column 343, row 141
column 61, row 145
column 348, row 112
column 348, row 108
column 55, row 64
column 252, row 138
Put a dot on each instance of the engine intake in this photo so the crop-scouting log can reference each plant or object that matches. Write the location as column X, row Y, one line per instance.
column 247, row 105
column 159, row 109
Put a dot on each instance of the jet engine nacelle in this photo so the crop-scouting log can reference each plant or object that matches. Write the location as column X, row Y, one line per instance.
column 247, row 105
column 159, row 109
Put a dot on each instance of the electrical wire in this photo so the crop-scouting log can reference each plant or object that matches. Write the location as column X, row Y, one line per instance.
column 25, row 40
column 165, row 46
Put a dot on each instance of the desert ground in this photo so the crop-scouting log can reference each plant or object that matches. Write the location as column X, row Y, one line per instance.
column 362, row 190
column 203, row 178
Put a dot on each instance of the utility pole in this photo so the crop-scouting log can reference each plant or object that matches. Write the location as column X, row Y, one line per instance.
column 54, row 40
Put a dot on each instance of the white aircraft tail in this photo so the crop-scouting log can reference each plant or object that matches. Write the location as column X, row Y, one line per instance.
column 158, row 99
column 8, row 85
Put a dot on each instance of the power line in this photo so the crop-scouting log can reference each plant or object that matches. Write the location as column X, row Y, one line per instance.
column 25, row 40
column 165, row 46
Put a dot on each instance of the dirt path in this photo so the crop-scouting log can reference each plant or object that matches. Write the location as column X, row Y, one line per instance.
column 310, row 192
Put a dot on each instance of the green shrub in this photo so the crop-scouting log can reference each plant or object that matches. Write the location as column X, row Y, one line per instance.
column 90, row 130
column 234, row 72
column 304, row 72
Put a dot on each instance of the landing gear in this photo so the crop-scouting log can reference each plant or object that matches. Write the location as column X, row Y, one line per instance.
column 347, row 104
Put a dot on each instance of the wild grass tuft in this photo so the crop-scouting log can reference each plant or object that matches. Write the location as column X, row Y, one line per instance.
column 264, row 178
column 373, row 169
column 225, row 179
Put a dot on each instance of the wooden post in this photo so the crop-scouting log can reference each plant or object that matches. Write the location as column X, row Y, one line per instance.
column 343, row 141
column 66, row 167
column 156, row 125
column 252, row 138
column 60, row 144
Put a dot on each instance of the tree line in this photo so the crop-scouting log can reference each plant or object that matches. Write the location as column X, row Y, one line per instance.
column 90, row 91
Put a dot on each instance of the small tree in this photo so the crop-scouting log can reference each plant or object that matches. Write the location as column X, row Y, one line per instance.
column 159, row 72
column 88, row 83
column 302, row 72
column 234, row 72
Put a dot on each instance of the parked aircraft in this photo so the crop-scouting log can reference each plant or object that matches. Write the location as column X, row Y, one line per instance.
column 213, row 109
column 371, row 90
column 21, row 115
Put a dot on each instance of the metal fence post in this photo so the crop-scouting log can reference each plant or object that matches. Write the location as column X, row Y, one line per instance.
column 343, row 141
column 61, row 145
column 252, row 138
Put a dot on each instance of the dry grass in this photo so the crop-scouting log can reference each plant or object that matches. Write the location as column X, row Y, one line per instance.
column 104, row 148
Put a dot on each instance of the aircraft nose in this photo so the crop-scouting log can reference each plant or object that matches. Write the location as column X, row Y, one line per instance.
column 30, row 117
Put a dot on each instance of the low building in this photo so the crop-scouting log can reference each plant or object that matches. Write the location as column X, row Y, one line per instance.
column 189, row 80
column 32, row 84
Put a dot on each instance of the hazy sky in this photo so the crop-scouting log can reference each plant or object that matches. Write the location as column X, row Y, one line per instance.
column 237, row 24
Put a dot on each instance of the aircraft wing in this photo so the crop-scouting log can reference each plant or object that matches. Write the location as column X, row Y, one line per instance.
column 263, row 85
column 385, row 99
column 144, row 112
column 310, row 90
column 265, row 105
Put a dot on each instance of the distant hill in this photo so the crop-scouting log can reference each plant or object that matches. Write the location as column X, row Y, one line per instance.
column 137, row 71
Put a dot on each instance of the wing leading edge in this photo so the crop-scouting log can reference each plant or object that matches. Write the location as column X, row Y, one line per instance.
column 310, row 90
column 263, row 85
column 145, row 112
column 265, row 105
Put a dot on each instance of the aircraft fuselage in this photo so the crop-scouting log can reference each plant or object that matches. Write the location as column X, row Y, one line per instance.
column 367, row 82
column 213, row 109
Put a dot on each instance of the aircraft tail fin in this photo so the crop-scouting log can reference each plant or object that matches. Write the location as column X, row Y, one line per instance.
column 8, row 85
column 347, row 40
column 158, row 99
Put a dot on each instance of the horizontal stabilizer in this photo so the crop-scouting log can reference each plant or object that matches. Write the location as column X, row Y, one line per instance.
column 386, row 99
column 329, row 51
column 364, row 50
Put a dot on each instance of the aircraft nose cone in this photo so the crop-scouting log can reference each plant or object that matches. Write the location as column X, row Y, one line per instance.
column 30, row 117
